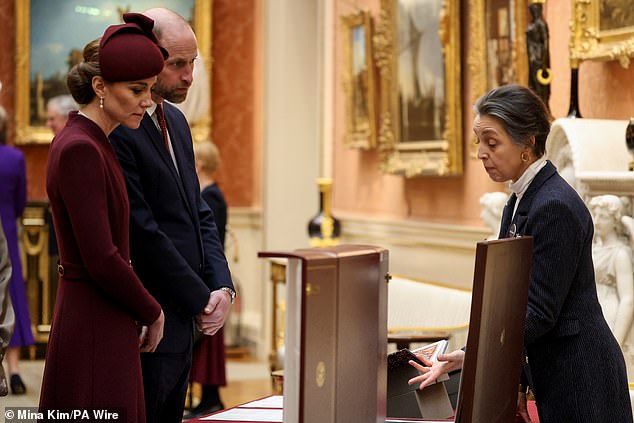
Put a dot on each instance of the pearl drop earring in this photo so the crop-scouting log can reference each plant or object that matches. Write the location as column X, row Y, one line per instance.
column 101, row 102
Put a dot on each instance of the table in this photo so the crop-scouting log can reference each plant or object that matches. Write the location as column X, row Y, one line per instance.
column 270, row 410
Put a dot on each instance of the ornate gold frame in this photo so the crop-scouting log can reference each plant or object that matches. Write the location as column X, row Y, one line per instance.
column 27, row 134
column 425, row 157
column 588, row 42
column 360, row 133
column 478, row 48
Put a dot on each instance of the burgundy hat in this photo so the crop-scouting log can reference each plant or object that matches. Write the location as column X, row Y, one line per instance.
column 130, row 51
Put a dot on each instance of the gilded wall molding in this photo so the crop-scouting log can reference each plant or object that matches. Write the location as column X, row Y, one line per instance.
column 477, row 49
column 383, row 46
column 589, row 42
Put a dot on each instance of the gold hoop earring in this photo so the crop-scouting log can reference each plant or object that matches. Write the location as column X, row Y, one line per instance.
column 544, row 76
column 101, row 102
column 524, row 156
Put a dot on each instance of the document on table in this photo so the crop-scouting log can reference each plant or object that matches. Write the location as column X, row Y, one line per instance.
column 416, row 420
column 275, row 401
column 269, row 415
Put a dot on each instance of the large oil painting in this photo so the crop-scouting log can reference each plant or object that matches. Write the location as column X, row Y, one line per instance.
column 497, row 50
column 50, row 38
column 616, row 15
column 421, row 74
column 418, row 54
column 358, row 81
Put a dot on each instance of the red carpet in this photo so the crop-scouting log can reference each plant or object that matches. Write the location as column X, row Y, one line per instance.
column 532, row 411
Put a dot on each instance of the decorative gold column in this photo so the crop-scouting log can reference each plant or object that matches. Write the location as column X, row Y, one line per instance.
column 35, row 259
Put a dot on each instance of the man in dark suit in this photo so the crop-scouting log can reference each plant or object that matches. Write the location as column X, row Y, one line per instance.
column 174, row 240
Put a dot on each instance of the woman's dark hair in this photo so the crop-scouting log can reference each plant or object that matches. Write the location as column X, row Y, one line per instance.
column 521, row 112
column 79, row 78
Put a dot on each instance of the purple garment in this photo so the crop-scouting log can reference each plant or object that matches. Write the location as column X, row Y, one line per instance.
column 12, row 203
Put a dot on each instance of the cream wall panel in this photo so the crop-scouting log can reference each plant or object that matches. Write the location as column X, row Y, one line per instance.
column 436, row 253
column 243, row 241
column 292, row 130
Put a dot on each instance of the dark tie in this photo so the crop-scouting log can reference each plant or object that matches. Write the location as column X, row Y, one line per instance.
column 160, row 116
column 507, row 217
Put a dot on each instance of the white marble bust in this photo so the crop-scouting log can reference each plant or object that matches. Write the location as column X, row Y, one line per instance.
column 492, row 205
column 612, row 255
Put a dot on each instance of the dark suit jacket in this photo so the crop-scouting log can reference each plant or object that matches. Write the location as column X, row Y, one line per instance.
column 575, row 364
column 173, row 237
column 215, row 199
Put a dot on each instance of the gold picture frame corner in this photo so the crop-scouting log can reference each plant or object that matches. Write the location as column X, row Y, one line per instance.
column 589, row 42
column 361, row 124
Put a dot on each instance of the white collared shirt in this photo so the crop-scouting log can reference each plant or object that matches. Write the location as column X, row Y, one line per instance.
column 520, row 186
column 150, row 110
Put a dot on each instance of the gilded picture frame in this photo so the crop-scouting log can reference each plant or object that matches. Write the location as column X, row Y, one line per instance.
column 32, row 89
column 498, row 31
column 359, row 81
column 417, row 51
column 602, row 30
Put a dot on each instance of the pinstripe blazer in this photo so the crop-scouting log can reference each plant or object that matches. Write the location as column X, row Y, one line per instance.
column 573, row 362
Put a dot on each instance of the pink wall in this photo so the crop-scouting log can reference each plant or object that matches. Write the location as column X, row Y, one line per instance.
column 606, row 91
column 237, row 86
column 360, row 188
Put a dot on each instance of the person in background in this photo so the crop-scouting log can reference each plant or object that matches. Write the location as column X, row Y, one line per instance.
column 208, row 364
column 103, row 314
column 57, row 110
column 7, row 318
column 174, row 239
column 12, row 203
column 573, row 364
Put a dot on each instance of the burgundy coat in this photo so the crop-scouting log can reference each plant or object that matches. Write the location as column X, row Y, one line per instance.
column 93, row 351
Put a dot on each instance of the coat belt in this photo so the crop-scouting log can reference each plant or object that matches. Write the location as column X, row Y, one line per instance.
column 72, row 271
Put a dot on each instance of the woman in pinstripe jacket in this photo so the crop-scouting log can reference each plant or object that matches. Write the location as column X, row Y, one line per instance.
column 573, row 363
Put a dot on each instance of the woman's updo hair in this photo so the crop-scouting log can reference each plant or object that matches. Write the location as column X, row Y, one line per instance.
column 521, row 112
column 79, row 78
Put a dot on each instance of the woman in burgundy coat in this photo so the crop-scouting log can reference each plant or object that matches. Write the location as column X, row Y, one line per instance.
column 93, row 353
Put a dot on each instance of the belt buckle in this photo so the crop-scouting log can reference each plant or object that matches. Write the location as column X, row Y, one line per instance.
column 60, row 269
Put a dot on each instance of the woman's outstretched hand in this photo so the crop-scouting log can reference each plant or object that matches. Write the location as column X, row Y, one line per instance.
column 430, row 372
